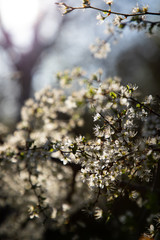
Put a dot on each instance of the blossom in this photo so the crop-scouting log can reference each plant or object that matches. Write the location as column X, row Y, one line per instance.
column 122, row 145
column 145, row 8
column 109, row 29
column 100, row 18
column 109, row 2
column 149, row 99
column 100, row 49
column 117, row 20
column 97, row 116
column 64, row 8
column 70, row 103
column 97, row 130
column 98, row 213
column 33, row 212
column 136, row 9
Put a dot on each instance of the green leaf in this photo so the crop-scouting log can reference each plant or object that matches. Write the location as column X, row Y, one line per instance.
column 113, row 95
column 122, row 25
column 124, row 112
column 138, row 105
column 22, row 154
column 129, row 89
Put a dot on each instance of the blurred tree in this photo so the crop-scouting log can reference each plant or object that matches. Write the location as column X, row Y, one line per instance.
column 24, row 62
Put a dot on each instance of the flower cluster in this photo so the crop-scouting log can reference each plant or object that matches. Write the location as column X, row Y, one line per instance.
column 122, row 148
column 64, row 8
column 135, row 20
column 100, row 49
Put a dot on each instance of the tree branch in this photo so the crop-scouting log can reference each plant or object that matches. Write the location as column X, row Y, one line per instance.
column 70, row 8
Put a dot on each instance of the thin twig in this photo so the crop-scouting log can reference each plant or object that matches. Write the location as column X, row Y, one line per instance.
column 111, row 12
column 142, row 105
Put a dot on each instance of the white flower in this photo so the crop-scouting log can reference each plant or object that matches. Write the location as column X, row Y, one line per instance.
column 149, row 99
column 117, row 20
column 70, row 103
column 65, row 207
column 124, row 101
column 108, row 132
column 100, row 49
column 109, row 2
column 96, row 117
column 100, row 18
column 33, row 212
column 54, row 213
column 109, row 29
column 133, row 87
column 98, row 213
column 62, row 8
column 151, row 228
column 136, row 9
column 97, row 131
column 134, row 194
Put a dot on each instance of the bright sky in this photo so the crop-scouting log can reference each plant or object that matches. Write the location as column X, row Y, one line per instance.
column 18, row 17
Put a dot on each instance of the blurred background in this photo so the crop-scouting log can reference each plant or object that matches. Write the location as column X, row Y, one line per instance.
column 36, row 42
